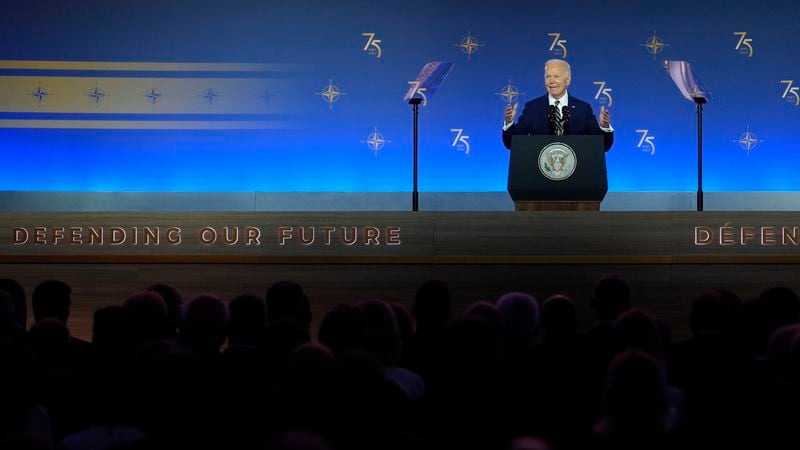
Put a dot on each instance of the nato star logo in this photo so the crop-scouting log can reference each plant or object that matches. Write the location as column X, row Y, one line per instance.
column 654, row 45
column 210, row 96
column 509, row 93
column 331, row 93
column 748, row 141
column 153, row 96
column 39, row 95
column 96, row 95
column 469, row 45
column 375, row 141
column 266, row 95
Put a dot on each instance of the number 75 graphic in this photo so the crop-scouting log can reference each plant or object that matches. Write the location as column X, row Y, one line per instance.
column 460, row 138
column 557, row 41
column 791, row 89
column 646, row 139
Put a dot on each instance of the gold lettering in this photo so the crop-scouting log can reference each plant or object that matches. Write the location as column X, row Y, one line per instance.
column 284, row 233
column 768, row 236
column 20, row 236
column 174, row 236
column 228, row 239
column 327, row 231
column 39, row 235
column 96, row 235
column 726, row 235
column 58, row 235
column 747, row 234
column 703, row 235
column 75, row 235
column 118, row 236
column 306, row 240
column 208, row 235
column 151, row 236
column 253, row 235
column 371, row 235
column 393, row 236
column 345, row 239
column 793, row 237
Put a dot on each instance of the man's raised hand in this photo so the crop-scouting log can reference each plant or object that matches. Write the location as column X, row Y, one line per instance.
column 605, row 117
column 511, row 113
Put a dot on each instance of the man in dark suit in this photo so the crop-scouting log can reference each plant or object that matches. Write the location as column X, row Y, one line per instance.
column 557, row 112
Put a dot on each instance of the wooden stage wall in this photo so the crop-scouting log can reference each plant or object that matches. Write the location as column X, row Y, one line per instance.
column 346, row 257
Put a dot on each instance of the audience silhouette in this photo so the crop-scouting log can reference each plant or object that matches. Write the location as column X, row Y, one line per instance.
column 514, row 373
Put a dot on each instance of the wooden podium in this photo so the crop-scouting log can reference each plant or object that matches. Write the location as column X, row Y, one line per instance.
column 557, row 173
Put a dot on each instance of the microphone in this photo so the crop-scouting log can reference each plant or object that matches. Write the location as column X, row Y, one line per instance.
column 552, row 117
column 565, row 116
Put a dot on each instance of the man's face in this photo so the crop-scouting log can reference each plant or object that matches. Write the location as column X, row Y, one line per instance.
column 556, row 79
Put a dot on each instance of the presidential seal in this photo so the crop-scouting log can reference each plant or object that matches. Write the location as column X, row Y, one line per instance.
column 557, row 161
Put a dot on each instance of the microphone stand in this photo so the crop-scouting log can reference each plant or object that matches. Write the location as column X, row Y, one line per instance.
column 415, row 102
column 699, row 101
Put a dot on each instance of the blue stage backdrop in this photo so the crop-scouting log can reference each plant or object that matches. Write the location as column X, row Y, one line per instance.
column 306, row 95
